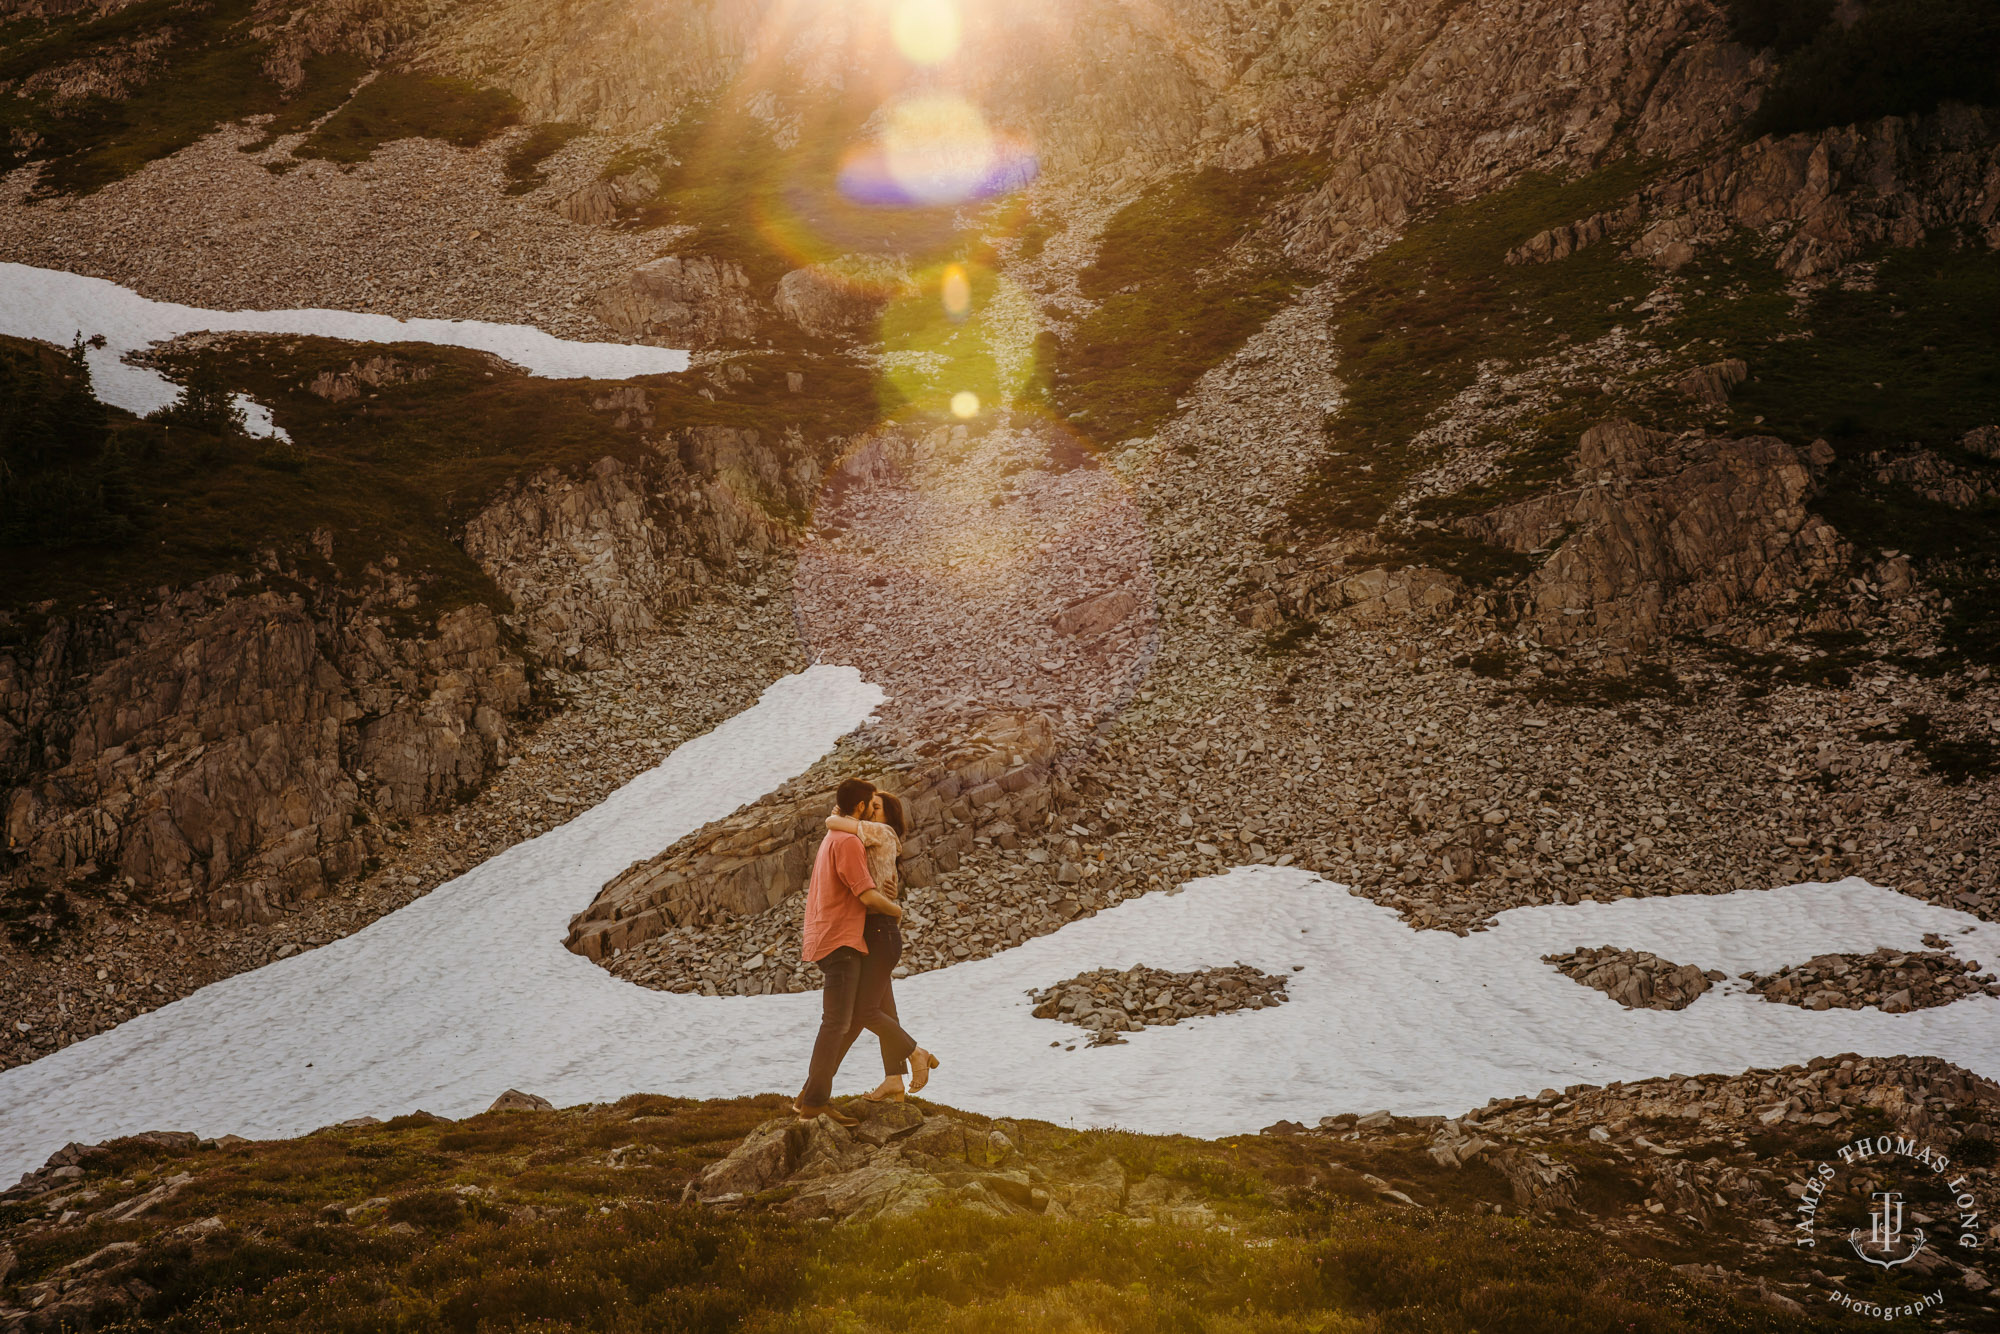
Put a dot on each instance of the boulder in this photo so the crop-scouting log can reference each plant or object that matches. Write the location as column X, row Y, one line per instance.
column 832, row 298
column 513, row 1100
column 1094, row 615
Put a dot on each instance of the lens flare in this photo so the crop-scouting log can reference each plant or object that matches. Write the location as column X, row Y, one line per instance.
column 926, row 31
column 938, row 149
column 965, row 404
column 935, row 149
column 956, row 289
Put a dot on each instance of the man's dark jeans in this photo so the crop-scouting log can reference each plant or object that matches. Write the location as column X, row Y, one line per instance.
column 842, row 1018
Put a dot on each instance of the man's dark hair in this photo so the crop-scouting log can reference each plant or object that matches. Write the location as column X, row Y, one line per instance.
column 853, row 794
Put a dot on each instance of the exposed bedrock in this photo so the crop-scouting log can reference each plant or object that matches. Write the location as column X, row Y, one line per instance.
column 225, row 748
column 1659, row 535
column 996, row 784
column 1654, row 535
column 683, row 301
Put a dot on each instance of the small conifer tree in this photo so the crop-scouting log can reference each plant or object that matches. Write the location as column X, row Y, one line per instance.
column 206, row 403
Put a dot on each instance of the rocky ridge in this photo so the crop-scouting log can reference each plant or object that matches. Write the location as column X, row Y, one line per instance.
column 1711, row 1153
column 117, row 956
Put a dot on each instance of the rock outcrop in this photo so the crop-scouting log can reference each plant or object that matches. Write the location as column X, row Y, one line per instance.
column 590, row 563
column 683, row 301
column 1106, row 1002
column 835, row 298
column 213, row 751
column 220, row 749
column 1635, row 979
column 1893, row 980
column 990, row 788
column 1836, row 193
column 1660, row 535
column 900, row 1159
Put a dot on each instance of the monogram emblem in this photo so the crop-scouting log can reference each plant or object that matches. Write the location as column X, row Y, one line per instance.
column 1886, row 1242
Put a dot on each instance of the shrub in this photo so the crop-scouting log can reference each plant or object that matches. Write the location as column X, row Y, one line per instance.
column 1899, row 58
column 206, row 403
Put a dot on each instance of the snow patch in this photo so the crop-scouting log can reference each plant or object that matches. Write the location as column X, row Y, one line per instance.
column 54, row 306
column 468, row 991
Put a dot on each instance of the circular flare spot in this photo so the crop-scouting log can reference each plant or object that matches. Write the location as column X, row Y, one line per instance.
column 938, row 149
column 956, row 289
column 965, row 404
column 925, row 31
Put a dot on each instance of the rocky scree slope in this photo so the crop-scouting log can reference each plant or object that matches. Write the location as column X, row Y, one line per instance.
column 1541, row 614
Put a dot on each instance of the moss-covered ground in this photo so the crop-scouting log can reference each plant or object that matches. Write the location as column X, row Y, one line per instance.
column 1181, row 281
column 571, row 1221
column 185, row 69
column 1418, row 318
column 404, row 105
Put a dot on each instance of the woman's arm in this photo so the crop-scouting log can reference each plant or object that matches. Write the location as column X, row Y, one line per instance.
column 871, row 834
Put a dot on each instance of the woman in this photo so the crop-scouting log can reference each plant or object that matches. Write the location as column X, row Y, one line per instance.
column 881, row 834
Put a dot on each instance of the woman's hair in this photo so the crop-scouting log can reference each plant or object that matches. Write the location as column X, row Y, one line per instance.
column 892, row 813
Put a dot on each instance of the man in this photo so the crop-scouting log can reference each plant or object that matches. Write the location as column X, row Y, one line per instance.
column 838, row 902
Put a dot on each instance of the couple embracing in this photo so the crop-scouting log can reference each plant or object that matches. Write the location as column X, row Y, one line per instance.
column 854, row 933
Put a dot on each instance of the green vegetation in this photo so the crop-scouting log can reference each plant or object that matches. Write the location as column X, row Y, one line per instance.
column 1913, row 359
column 772, row 209
column 525, row 159
column 329, row 81
column 397, row 105
column 1181, row 282
column 62, row 474
column 946, row 354
column 206, row 72
column 568, row 1221
column 1898, row 58
column 1908, row 357
column 393, row 473
column 178, row 70
column 1420, row 316
column 205, row 403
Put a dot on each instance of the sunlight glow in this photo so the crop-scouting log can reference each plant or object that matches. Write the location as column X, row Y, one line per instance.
column 926, row 31
column 935, row 149
column 938, row 148
column 956, row 290
column 965, row 404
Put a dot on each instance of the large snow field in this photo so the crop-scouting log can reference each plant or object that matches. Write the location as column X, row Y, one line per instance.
column 468, row 991
column 55, row 307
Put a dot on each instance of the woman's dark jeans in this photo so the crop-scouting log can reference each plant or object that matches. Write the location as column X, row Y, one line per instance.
column 875, row 1004
column 856, row 996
